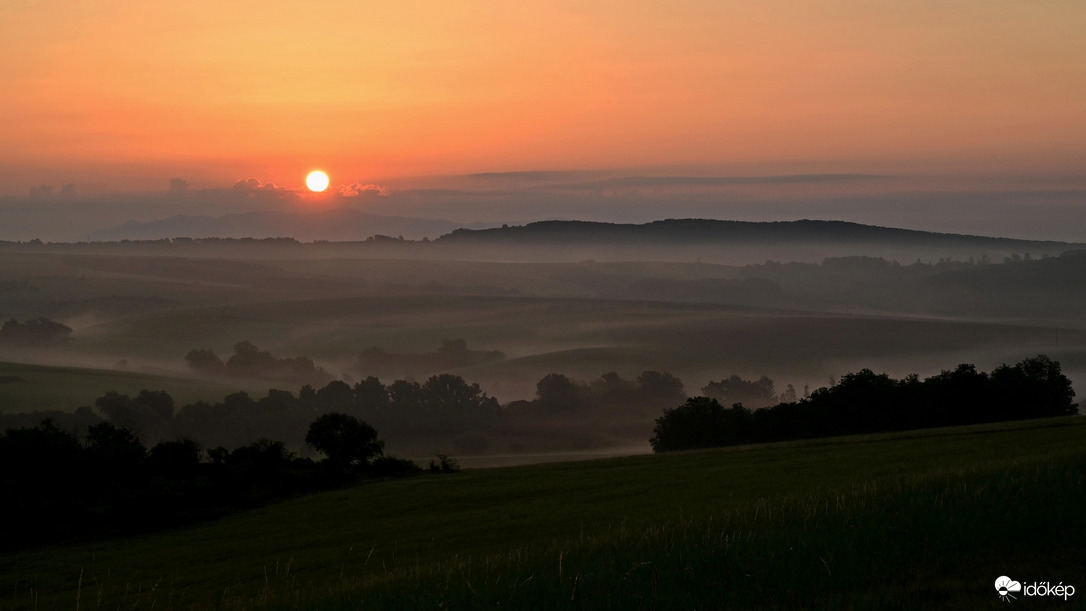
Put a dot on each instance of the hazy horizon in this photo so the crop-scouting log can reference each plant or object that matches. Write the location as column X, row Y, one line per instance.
column 962, row 118
column 1035, row 208
column 177, row 413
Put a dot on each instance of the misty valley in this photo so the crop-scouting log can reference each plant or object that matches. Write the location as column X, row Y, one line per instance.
column 542, row 306
column 204, row 319
column 153, row 385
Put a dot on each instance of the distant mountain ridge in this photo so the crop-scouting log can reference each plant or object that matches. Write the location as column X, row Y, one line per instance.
column 340, row 224
column 733, row 242
column 707, row 231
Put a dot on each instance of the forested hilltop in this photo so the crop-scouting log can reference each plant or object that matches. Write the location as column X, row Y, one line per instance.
column 701, row 231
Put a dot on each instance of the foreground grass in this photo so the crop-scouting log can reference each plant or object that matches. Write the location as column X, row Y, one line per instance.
column 917, row 520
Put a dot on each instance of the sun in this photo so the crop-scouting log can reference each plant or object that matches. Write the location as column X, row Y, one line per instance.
column 316, row 181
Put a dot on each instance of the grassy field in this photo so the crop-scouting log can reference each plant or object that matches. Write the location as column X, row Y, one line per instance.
column 912, row 521
column 27, row 388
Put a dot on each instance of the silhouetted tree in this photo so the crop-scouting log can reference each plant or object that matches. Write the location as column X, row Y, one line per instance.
column 752, row 393
column 444, row 464
column 449, row 397
column 404, row 397
column 278, row 400
column 698, row 423
column 38, row 331
column 156, row 403
column 789, row 395
column 307, row 396
column 149, row 414
column 336, row 396
column 1033, row 388
column 238, row 401
column 266, row 454
column 660, row 388
column 179, row 459
column 857, row 403
column 248, row 360
column 197, row 420
column 262, row 463
column 556, row 392
column 344, row 439
column 371, row 396
column 205, row 360
column 114, row 452
column 612, row 392
column 954, row 397
column 390, row 466
column 43, row 454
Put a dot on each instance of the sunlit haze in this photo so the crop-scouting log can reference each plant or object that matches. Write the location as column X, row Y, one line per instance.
column 124, row 96
column 718, row 304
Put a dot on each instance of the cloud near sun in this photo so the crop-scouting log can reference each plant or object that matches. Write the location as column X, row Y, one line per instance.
column 253, row 184
column 355, row 189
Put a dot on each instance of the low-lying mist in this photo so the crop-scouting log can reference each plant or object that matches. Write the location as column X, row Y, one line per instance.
column 505, row 316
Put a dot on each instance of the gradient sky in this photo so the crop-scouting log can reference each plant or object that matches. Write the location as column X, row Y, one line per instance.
column 124, row 95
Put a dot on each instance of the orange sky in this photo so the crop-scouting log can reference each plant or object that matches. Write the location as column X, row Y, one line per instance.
column 124, row 95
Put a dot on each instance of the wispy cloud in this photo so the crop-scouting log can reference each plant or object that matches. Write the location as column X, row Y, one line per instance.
column 712, row 181
column 362, row 190
column 535, row 176
column 253, row 184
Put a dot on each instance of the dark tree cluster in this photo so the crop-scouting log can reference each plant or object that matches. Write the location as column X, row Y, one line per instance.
column 35, row 332
column 56, row 484
column 866, row 402
column 443, row 413
column 437, row 408
column 559, row 396
column 751, row 393
column 248, row 361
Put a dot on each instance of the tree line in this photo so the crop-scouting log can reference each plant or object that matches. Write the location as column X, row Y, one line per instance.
column 34, row 332
column 56, row 484
column 866, row 402
column 136, row 463
column 444, row 413
column 248, row 361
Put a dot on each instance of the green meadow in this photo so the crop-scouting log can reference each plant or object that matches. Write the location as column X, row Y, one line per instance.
column 28, row 387
column 914, row 520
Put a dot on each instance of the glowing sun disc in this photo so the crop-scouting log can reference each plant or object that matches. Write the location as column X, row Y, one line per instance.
column 316, row 181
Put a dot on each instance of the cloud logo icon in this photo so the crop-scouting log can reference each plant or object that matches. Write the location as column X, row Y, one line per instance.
column 1005, row 585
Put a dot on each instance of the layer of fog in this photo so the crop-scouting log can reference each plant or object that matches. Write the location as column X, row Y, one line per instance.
column 139, row 308
column 1045, row 208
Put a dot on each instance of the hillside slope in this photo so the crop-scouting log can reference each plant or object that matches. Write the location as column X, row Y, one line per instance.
column 899, row 521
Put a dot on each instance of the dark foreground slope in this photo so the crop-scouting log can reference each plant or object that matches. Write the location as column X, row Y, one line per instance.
column 897, row 521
